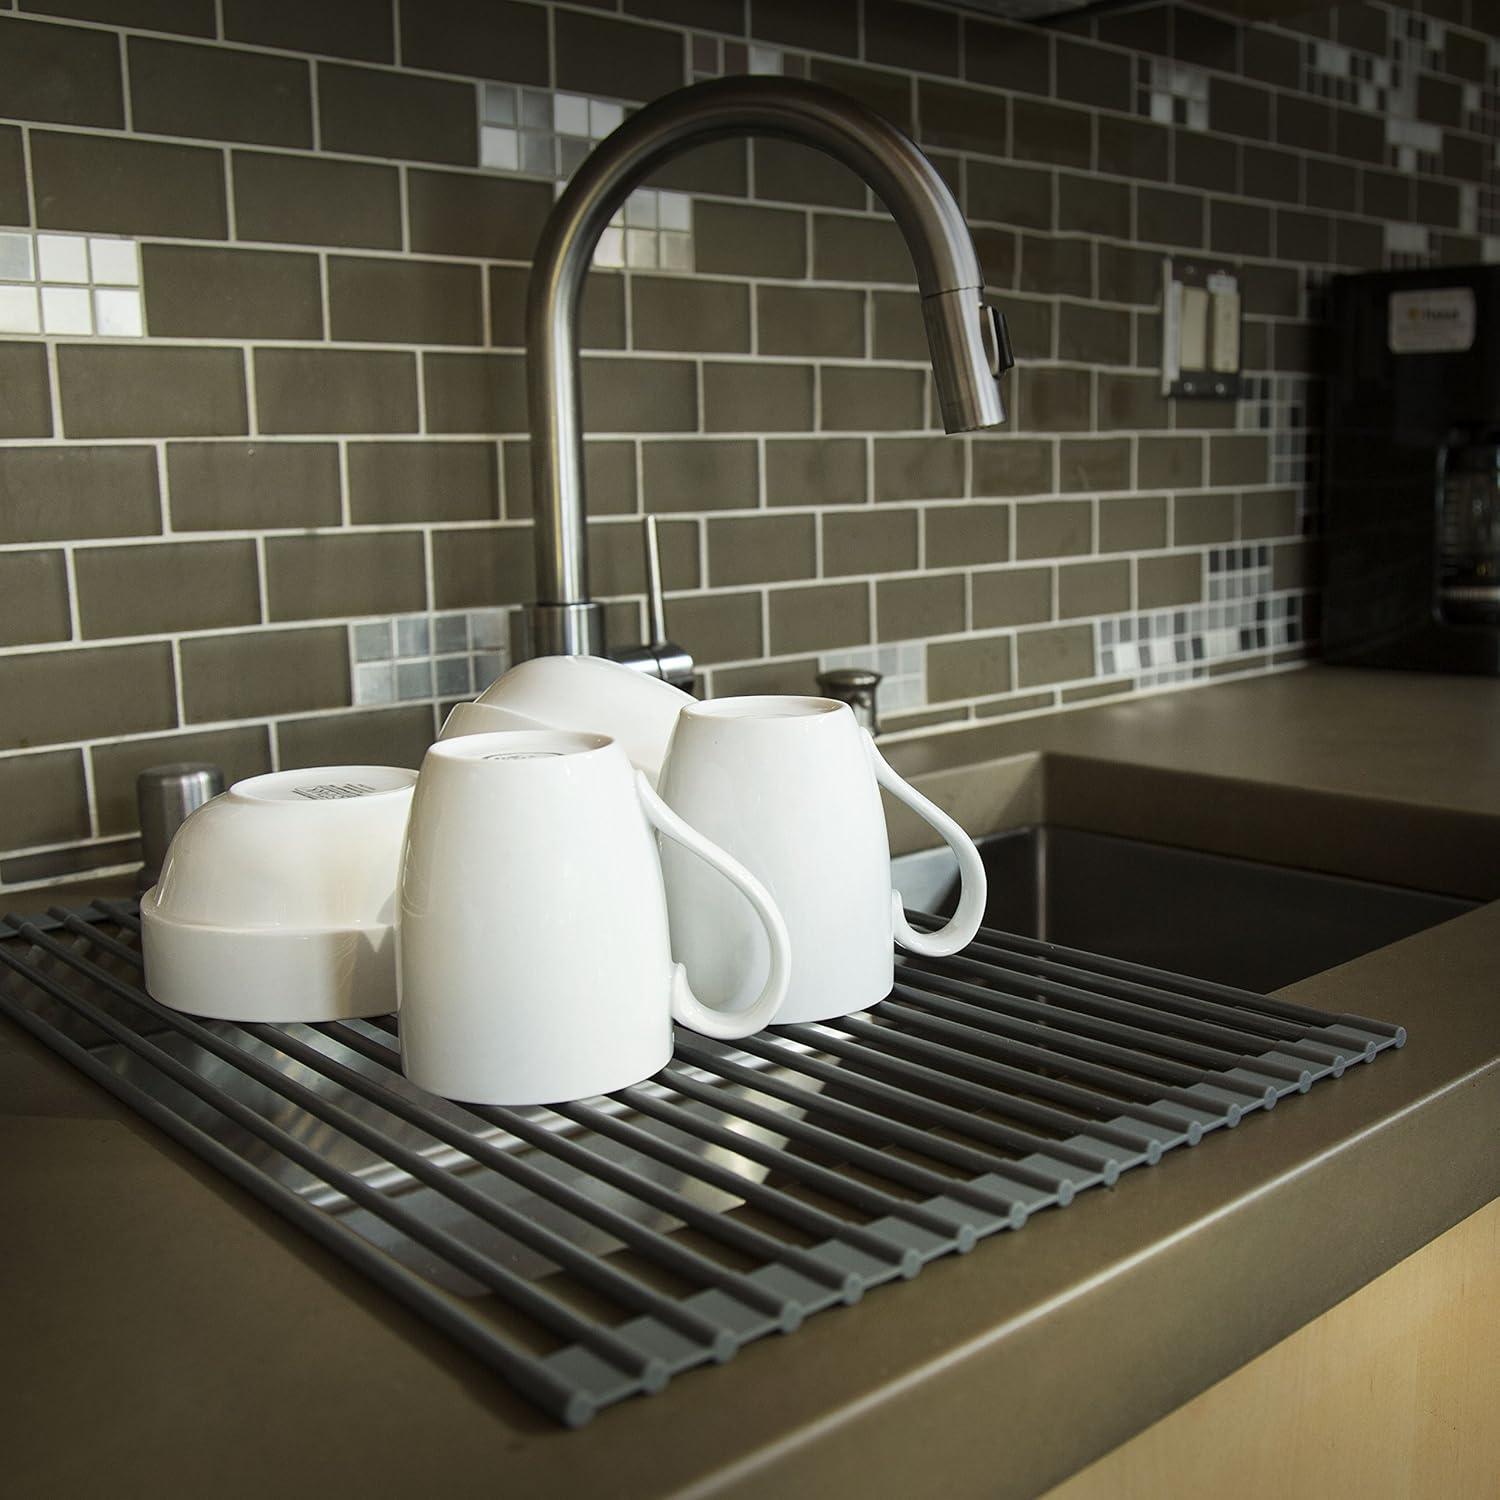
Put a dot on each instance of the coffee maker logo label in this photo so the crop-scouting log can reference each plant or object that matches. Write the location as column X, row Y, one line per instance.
column 1437, row 321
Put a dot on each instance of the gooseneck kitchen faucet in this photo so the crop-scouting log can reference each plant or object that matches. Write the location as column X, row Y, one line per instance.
column 966, row 336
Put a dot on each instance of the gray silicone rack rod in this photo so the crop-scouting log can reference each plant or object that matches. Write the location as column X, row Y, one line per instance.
column 990, row 1085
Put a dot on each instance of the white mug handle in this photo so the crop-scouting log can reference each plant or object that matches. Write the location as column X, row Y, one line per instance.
column 686, row 1006
column 964, row 923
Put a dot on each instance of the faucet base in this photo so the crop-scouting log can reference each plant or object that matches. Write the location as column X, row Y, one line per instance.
column 561, row 630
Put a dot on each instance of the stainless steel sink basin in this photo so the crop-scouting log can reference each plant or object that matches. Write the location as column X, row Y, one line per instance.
column 1230, row 920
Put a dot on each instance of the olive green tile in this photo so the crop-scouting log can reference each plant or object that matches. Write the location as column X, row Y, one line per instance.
column 27, row 408
column 33, row 598
column 596, row 55
column 369, row 112
column 1169, row 463
column 720, row 168
column 1052, row 133
column 712, row 475
column 59, row 493
column 608, row 478
column 910, row 36
column 959, row 536
column 919, row 468
column 480, row 393
column 1169, row 580
column 260, row 672
column 1093, row 464
column 1015, row 196
column 1014, row 703
column 1266, row 513
column 1056, row 655
column 166, row 586
column 1167, row 216
column 864, row 398
column 1093, row 205
column 820, row 618
column 908, row 609
column 65, row 74
column 1054, row 528
column 1134, row 148
column 199, row 292
column 761, row 549
column 472, row 213
column 479, row 569
column 888, row 94
column 382, row 737
column 1236, row 228
column 1014, row 466
column 1093, row 335
column 759, row 398
column 732, row 239
column 335, row 391
column 14, row 205
column 846, row 248
column 1012, row 596
column 394, row 483
column 810, row 320
column 964, row 119
column 1197, row 519
column 1093, row 588
column 119, row 391
column 1134, row 524
column 899, row 330
column 46, row 799
column 321, row 577
column 360, row 29
column 643, row 395
column 717, row 627
column 1293, row 565
column 601, row 315
column 816, row 471
column 880, row 541
column 1030, row 322
column 925, row 718
column 798, row 676
column 1057, row 265
column 404, row 302
column 1189, row 414
column 219, row 93
column 189, row 17
column 617, row 557
column 1128, row 275
column 57, row 865
column 495, row 40
column 1206, row 161
column 788, row 172
column 831, row 26
column 53, row 696
column 1055, row 400
column 1239, row 458
column 1131, row 402
column 239, row 752
column 235, row 486
column 691, row 315
column 1007, row 56
column 309, row 200
column 968, row 669
column 1119, row 688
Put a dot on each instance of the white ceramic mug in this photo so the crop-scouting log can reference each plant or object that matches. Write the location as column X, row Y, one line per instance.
column 790, row 787
column 277, row 898
column 534, row 953
column 588, row 693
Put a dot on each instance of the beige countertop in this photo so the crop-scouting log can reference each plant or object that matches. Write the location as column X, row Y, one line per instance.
column 166, row 1335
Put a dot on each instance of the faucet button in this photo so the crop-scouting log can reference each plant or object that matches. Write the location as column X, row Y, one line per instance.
column 996, row 339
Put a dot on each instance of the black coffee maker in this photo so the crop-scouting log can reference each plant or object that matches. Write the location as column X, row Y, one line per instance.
column 1411, row 471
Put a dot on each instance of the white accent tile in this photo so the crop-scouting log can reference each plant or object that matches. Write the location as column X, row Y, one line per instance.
column 18, row 310
column 765, row 60
column 374, row 682
column 413, row 680
column 499, row 104
column 15, row 257
column 115, row 262
column 570, row 114
column 412, row 636
column 488, row 629
column 604, row 117
column 674, row 211
column 640, row 209
column 610, row 251
column 640, row 249
column 536, row 109
column 675, row 251
column 499, row 148
column 63, row 257
column 65, row 309
column 372, row 641
column 117, row 313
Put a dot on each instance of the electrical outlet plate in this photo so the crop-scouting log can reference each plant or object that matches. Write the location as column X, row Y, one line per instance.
column 1202, row 336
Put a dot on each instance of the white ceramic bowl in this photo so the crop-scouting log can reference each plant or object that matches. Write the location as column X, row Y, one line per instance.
column 277, row 899
column 587, row 694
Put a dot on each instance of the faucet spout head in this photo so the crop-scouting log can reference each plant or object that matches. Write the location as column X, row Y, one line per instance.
column 970, row 350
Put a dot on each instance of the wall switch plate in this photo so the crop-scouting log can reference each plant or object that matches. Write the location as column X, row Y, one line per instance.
column 1201, row 339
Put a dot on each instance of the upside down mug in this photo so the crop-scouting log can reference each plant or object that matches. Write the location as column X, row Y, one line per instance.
column 790, row 787
column 534, row 956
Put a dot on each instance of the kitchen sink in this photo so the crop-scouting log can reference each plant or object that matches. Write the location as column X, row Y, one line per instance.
column 1233, row 921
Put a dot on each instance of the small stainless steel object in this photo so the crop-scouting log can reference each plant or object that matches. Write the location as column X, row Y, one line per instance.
column 859, row 687
column 966, row 336
column 659, row 657
column 165, row 795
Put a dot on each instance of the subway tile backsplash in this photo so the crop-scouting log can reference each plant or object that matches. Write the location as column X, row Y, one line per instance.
column 264, row 485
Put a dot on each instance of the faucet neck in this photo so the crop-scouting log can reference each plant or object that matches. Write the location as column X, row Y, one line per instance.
column 906, row 182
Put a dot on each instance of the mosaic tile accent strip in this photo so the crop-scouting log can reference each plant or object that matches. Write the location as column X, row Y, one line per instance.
column 1175, row 94
column 72, row 284
column 1282, row 406
column 416, row 658
column 902, row 666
